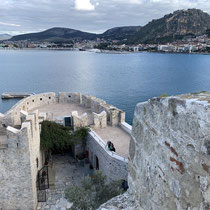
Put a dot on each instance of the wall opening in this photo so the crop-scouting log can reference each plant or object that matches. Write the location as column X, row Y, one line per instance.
column 96, row 163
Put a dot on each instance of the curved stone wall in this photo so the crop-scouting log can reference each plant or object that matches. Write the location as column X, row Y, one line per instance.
column 27, row 104
column 170, row 153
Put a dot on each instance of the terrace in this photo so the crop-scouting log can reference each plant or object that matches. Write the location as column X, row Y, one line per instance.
column 115, row 134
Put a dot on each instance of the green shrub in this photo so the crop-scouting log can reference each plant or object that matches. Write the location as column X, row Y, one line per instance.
column 56, row 137
column 93, row 192
column 164, row 95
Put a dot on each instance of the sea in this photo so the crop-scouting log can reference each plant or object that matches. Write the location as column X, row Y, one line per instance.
column 122, row 80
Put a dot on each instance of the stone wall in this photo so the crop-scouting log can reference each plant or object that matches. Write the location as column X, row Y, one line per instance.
column 100, row 120
column 69, row 97
column 2, row 125
column 170, row 153
column 115, row 116
column 113, row 166
column 18, row 166
column 79, row 121
column 12, row 117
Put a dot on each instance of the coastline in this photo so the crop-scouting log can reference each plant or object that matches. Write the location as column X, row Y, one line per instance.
column 105, row 51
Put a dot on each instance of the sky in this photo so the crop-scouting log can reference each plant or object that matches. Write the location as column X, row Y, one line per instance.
column 25, row 16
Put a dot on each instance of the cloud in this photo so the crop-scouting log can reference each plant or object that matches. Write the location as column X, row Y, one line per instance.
column 20, row 16
column 84, row 5
column 9, row 24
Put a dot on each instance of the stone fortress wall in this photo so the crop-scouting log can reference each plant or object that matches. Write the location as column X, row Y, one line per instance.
column 18, row 164
column 169, row 164
column 20, row 144
column 103, row 113
column 113, row 116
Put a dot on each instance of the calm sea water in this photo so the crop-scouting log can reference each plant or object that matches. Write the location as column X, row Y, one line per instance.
column 120, row 79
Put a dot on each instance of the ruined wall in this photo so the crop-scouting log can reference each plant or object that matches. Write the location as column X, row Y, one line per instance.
column 12, row 117
column 113, row 166
column 170, row 153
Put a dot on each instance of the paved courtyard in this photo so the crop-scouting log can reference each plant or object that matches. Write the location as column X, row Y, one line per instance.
column 62, row 173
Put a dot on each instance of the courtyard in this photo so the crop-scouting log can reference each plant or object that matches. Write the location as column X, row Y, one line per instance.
column 63, row 172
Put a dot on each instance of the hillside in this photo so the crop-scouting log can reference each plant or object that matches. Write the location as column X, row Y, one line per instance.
column 55, row 34
column 65, row 34
column 173, row 26
column 120, row 33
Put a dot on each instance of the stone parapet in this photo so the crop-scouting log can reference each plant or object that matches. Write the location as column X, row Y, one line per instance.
column 113, row 166
column 68, row 97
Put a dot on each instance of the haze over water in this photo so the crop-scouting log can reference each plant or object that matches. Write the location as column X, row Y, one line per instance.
column 120, row 79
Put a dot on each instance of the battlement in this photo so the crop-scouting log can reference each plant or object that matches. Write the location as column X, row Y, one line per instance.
column 84, row 103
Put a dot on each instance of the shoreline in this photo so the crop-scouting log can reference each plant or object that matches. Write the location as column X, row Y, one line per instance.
column 104, row 51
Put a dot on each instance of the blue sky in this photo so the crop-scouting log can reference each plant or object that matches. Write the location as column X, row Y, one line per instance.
column 22, row 16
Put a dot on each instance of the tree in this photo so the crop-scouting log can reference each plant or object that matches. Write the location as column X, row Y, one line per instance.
column 93, row 192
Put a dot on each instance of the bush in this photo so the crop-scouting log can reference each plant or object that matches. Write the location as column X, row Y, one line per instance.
column 164, row 95
column 56, row 137
column 93, row 192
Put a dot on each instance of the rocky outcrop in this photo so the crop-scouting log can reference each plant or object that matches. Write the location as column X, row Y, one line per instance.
column 174, row 26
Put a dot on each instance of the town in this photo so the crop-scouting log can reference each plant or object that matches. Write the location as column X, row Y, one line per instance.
column 189, row 44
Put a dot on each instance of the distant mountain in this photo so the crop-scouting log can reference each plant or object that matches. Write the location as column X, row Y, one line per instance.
column 173, row 26
column 66, row 34
column 120, row 33
column 55, row 34
column 5, row 36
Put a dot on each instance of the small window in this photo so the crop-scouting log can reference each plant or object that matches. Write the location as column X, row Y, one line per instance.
column 40, row 99
column 49, row 97
column 32, row 100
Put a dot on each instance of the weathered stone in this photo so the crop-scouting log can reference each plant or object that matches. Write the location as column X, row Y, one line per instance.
column 132, row 148
column 168, row 168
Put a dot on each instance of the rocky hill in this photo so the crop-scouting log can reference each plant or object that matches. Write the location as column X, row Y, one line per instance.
column 120, row 33
column 173, row 26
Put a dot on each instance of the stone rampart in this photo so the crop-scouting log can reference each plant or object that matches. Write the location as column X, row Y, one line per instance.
column 170, row 153
column 112, row 165
column 12, row 117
